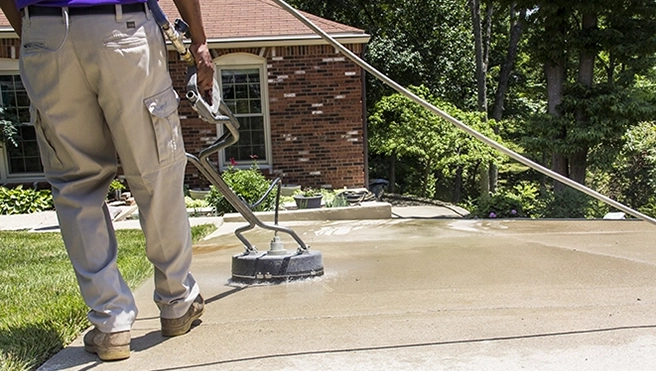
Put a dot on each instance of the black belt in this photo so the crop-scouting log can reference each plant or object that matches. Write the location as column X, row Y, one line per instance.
column 41, row 11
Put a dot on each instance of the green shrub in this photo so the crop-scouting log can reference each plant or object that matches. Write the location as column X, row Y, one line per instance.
column 333, row 199
column 8, row 131
column 191, row 203
column 249, row 184
column 308, row 192
column 570, row 203
column 520, row 201
column 196, row 206
column 116, row 185
column 649, row 208
column 24, row 201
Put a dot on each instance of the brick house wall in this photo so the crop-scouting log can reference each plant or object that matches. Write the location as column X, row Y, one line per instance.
column 9, row 48
column 316, row 113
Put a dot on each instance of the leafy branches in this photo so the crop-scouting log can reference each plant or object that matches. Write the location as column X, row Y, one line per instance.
column 24, row 201
column 403, row 129
column 249, row 184
column 8, row 131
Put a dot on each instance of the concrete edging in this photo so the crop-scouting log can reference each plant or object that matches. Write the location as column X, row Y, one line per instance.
column 365, row 210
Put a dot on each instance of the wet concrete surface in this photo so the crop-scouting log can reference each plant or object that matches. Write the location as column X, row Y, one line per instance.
column 412, row 294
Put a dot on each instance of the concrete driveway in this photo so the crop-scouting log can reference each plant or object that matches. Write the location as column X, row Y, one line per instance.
column 419, row 294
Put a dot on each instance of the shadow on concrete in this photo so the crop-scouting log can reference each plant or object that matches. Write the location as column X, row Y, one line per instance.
column 225, row 294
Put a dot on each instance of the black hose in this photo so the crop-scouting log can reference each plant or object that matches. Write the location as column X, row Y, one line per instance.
column 158, row 14
column 171, row 32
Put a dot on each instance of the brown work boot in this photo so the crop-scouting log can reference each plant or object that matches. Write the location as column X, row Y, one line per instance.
column 111, row 346
column 180, row 326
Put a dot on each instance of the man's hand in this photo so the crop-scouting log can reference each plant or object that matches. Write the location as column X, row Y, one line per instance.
column 191, row 14
column 204, row 67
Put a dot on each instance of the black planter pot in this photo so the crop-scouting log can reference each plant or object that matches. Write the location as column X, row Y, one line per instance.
column 308, row 202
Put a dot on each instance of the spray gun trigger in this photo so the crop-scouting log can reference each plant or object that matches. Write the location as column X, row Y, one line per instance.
column 182, row 27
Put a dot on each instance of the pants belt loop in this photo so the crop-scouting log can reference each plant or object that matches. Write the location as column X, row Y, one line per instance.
column 119, row 13
column 147, row 10
column 26, row 17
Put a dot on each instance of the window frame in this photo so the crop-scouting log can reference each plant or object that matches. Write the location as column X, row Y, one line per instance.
column 10, row 67
column 246, row 61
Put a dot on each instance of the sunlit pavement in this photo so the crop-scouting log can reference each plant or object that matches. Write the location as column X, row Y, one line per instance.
column 419, row 294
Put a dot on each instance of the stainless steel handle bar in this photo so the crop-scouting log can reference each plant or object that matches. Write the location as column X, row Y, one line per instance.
column 217, row 113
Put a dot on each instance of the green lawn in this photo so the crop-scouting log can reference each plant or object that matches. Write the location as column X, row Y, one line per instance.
column 42, row 310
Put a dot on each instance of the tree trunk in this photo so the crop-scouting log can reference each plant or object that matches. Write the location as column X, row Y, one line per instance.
column 457, row 188
column 554, row 69
column 424, row 182
column 493, row 176
column 610, row 71
column 504, row 77
column 481, row 68
column 481, row 48
column 392, row 173
column 578, row 165
column 559, row 165
column 579, row 160
column 508, row 65
column 484, row 174
column 543, row 178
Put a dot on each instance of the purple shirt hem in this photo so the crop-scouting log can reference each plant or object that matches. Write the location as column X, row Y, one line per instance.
column 72, row 3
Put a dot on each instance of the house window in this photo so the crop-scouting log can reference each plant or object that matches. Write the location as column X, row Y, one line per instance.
column 243, row 88
column 23, row 160
column 242, row 94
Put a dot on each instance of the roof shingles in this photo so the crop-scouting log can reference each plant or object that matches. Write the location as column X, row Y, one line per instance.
column 249, row 19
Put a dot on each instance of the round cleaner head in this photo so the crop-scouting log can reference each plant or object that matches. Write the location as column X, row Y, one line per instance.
column 267, row 267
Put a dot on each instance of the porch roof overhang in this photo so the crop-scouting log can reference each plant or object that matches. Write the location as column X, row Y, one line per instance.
column 292, row 40
column 258, row 42
column 7, row 32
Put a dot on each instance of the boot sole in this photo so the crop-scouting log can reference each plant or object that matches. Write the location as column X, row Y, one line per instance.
column 181, row 330
column 110, row 354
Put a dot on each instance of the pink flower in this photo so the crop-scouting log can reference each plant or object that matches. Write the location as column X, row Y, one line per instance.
column 233, row 162
column 493, row 215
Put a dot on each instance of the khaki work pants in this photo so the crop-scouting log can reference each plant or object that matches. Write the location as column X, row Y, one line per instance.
column 99, row 85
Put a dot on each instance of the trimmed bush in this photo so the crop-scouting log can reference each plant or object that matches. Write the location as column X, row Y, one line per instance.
column 248, row 184
column 24, row 201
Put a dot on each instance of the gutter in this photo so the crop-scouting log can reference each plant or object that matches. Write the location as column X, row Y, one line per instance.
column 284, row 40
column 8, row 33
column 259, row 41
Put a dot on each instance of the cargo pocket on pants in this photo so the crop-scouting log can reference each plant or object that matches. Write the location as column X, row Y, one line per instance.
column 163, row 108
column 48, row 154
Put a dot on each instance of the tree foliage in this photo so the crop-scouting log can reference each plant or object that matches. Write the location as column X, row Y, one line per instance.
column 415, row 42
column 405, row 130
column 632, row 178
column 8, row 131
column 592, row 53
column 577, row 76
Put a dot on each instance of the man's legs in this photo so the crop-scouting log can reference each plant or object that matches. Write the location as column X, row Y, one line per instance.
column 113, row 70
column 80, row 162
column 140, row 106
